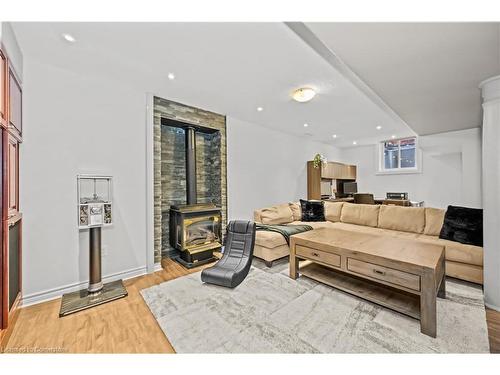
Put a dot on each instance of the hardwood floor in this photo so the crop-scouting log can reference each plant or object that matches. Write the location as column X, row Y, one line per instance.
column 493, row 320
column 122, row 326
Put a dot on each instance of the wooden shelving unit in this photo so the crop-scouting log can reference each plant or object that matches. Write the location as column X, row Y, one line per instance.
column 336, row 173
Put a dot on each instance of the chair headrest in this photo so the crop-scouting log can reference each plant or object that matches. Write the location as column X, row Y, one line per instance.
column 241, row 226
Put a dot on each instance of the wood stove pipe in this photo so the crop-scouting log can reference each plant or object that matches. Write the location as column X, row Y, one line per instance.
column 191, row 197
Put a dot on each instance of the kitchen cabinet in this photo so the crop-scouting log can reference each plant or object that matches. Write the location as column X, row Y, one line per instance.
column 11, row 127
column 3, row 90
column 15, row 105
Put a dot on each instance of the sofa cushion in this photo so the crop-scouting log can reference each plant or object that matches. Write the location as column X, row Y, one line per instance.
column 333, row 210
column 456, row 251
column 360, row 214
column 280, row 214
column 312, row 210
column 404, row 219
column 434, row 218
column 296, row 212
column 269, row 254
column 374, row 231
column 269, row 239
column 464, row 271
column 464, row 225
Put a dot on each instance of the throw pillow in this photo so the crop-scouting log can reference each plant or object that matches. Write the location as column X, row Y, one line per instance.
column 312, row 210
column 464, row 225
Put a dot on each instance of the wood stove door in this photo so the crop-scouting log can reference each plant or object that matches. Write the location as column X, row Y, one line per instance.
column 200, row 231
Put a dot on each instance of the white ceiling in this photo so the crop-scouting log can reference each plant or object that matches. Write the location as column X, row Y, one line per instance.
column 230, row 68
column 426, row 72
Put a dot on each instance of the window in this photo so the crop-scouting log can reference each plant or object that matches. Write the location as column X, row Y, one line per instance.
column 399, row 155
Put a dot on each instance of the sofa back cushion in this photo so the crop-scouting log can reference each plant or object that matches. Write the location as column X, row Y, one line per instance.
column 434, row 218
column 360, row 214
column 296, row 212
column 404, row 219
column 333, row 210
column 280, row 214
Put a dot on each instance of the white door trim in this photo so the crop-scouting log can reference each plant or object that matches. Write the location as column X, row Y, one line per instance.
column 150, row 251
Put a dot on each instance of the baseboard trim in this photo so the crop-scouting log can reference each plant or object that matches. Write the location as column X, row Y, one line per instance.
column 157, row 267
column 50, row 294
column 492, row 307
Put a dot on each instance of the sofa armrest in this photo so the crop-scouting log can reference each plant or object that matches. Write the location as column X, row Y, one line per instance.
column 256, row 217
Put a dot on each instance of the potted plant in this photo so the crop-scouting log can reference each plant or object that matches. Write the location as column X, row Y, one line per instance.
column 319, row 160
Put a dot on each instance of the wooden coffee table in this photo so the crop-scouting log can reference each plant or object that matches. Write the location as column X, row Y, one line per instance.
column 400, row 274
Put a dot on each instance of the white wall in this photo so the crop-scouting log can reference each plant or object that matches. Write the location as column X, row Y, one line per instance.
column 491, row 186
column 451, row 170
column 79, row 124
column 87, row 124
column 267, row 167
column 91, row 124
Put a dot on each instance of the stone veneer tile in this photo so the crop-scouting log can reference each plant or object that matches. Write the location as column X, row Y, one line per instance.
column 169, row 164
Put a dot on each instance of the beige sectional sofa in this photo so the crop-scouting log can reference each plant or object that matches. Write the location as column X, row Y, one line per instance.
column 417, row 223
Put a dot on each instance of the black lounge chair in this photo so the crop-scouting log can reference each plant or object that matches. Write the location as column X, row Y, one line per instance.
column 235, row 263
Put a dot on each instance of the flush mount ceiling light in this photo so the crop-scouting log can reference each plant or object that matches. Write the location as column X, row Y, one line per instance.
column 378, row 127
column 304, row 94
column 171, row 76
column 306, row 125
column 393, row 136
column 334, row 136
column 260, row 109
column 354, row 142
column 69, row 38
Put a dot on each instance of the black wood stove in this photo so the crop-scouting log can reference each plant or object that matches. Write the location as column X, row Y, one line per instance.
column 195, row 229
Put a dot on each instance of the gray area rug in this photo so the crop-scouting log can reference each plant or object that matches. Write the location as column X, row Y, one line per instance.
column 271, row 313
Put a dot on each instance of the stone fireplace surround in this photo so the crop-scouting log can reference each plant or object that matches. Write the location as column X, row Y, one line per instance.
column 169, row 164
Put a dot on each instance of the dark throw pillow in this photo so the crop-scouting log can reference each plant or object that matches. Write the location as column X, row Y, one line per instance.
column 312, row 210
column 464, row 225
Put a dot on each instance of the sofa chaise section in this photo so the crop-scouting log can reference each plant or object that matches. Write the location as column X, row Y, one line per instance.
column 414, row 223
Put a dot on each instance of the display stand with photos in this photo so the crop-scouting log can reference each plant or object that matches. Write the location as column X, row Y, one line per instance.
column 95, row 210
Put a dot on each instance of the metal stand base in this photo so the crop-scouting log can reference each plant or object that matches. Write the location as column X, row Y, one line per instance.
column 188, row 265
column 83, row 299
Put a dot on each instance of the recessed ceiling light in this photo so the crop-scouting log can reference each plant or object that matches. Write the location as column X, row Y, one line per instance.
column 304, row 94
column 334, row 136
column 378, row 127
column 260, row 109
column 69, row 38
column 171, row 76
column 393, row 136
column 306, row 125
column 354, row 142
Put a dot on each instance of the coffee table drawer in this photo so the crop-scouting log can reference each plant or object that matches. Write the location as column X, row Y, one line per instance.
column 318, row 255
column 389, row 275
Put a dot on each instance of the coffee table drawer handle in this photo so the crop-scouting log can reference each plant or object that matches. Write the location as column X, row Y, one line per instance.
column 315, row 254
column 379, row 272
